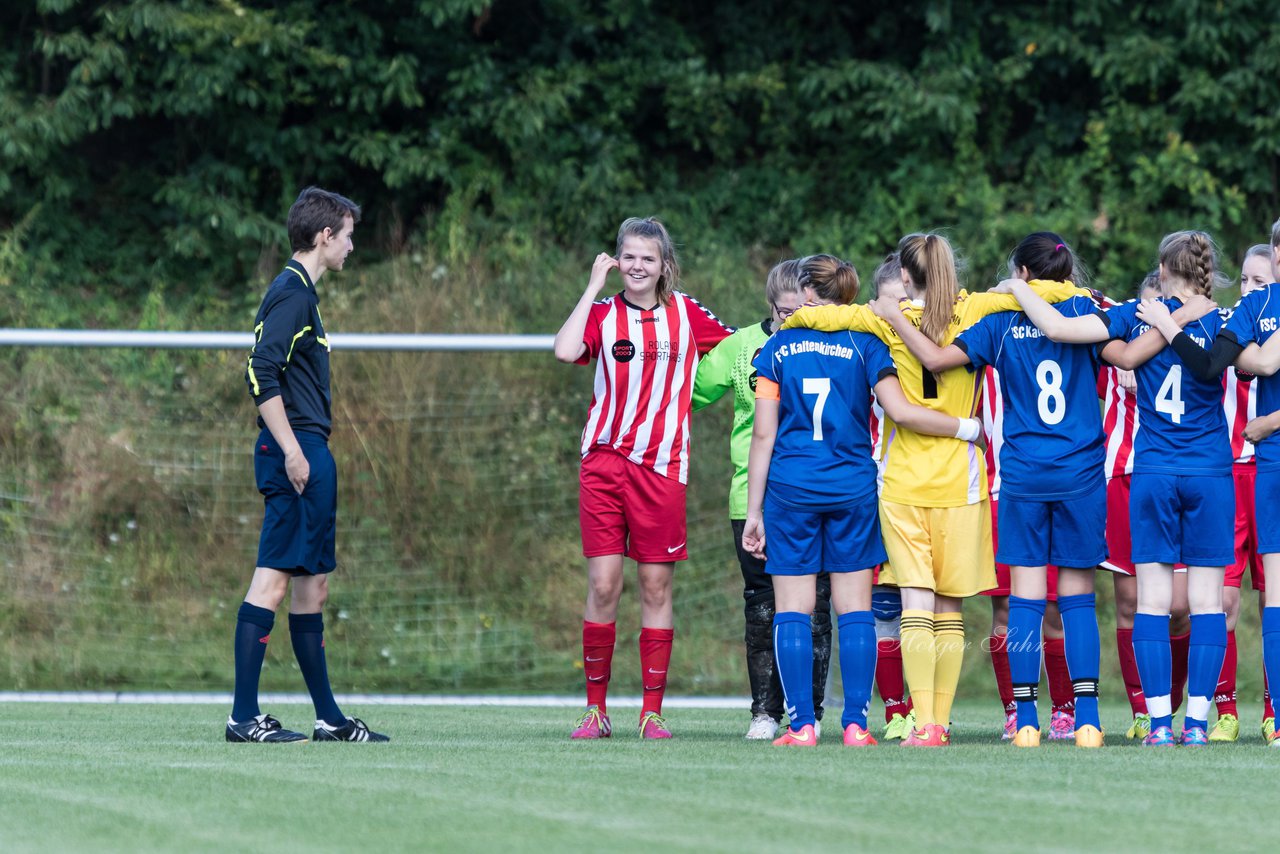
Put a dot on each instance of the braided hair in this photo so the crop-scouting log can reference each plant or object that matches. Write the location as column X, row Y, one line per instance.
column 1191, row 257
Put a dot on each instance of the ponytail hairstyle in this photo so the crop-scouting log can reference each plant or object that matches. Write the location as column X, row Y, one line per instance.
column 1046, row 256
column 929, row 261
column 651, row 228
column 1191, row 257
column 784, row 278
column 830, row 278
column 890, row 270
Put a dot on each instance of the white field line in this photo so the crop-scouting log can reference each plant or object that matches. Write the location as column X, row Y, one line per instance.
column 169, row 698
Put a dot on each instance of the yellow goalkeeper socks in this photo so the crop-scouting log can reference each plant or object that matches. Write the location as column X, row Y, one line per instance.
column 918, row 657
column 949, row 642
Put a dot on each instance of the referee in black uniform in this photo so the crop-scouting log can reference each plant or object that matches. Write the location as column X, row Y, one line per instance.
column 288, row 376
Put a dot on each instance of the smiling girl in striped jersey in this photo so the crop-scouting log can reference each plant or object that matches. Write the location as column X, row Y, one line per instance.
column 635, row 453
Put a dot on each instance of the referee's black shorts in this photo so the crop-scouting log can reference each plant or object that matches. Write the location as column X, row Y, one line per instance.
column 297, row 530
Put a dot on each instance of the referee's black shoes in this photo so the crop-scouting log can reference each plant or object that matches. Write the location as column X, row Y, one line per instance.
column 263, row 728
column 353, row 730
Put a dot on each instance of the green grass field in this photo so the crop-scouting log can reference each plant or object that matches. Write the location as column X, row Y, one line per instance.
column 160, row 778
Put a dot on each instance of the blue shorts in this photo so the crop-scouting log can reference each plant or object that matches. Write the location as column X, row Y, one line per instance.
column 1071, row 532
column 1266, row 491
column 1187, row 519
column 804, row 541
column 297, row 530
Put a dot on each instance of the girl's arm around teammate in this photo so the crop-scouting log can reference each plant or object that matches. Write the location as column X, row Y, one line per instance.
column 1094, row 328
column 922, row 419
column 764, row 433
column 860, row 318
column 1000, row 298
column 1261, row 427
column 836, row 318
column 1225, row 350
column 934, row 358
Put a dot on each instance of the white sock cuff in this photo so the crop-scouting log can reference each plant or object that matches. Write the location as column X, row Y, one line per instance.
column 888, row 629
column 1159, row 707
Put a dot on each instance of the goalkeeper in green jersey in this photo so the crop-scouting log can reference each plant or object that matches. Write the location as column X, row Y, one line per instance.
column 728, row 367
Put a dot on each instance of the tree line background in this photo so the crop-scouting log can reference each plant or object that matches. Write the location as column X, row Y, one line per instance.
column 152, row 145
column 149, row 151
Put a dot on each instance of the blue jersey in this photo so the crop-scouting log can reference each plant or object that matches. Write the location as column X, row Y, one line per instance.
column 822, row 453
column 1254, row 319
column 1181, row 426
column 1053, row 446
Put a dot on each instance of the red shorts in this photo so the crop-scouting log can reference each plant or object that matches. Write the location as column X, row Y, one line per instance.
column 1246, row 529
column 1003, row 586
column 1118, row 541
column 630, row 510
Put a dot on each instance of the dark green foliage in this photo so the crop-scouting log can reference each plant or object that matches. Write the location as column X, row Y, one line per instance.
column 150, row 145
column 149, row 150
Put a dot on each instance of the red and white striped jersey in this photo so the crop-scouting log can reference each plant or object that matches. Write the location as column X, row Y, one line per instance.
column 1119, row 413
column 1241, row 404
column 877, row 427
column 1119, row 421
column 992, row 427
column 645, row 366
column 877, row 437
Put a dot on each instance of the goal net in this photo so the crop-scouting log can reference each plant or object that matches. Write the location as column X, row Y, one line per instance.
column 129, row 524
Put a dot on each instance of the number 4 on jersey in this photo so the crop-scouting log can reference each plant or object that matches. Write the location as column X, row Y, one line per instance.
column 1169, row 397
column 821, row 386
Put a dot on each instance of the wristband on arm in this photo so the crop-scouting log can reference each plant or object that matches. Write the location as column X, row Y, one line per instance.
column 969, row 430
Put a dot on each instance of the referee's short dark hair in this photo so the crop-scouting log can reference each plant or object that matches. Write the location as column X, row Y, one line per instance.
column 313, row 212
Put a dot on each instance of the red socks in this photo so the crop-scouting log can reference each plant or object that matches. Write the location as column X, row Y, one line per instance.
column 1225, row 695
column 1267, row 710
column 597, row 658
column 999, row 645
column 1179, row 646
column 598, row 640
column 1061, row 694
column 889, row 680
column 655, row 657
column 1129, row 672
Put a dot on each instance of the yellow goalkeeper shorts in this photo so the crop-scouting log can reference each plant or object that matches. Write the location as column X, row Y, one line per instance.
column 943, row 549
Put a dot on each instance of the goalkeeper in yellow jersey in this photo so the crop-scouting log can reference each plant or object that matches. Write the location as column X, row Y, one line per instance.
column 934, row 511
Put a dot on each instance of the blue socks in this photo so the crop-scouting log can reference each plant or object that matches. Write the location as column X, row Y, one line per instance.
column 307, row 633
column 857, row 664
column 1080, row 630
column 793, row 649
column 1271, row 644
column 1204, row 665
column 253, row 628
column 1024, row 647
column 1155, row 665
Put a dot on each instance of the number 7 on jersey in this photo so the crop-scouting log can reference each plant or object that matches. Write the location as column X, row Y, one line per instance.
column 820, row 386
